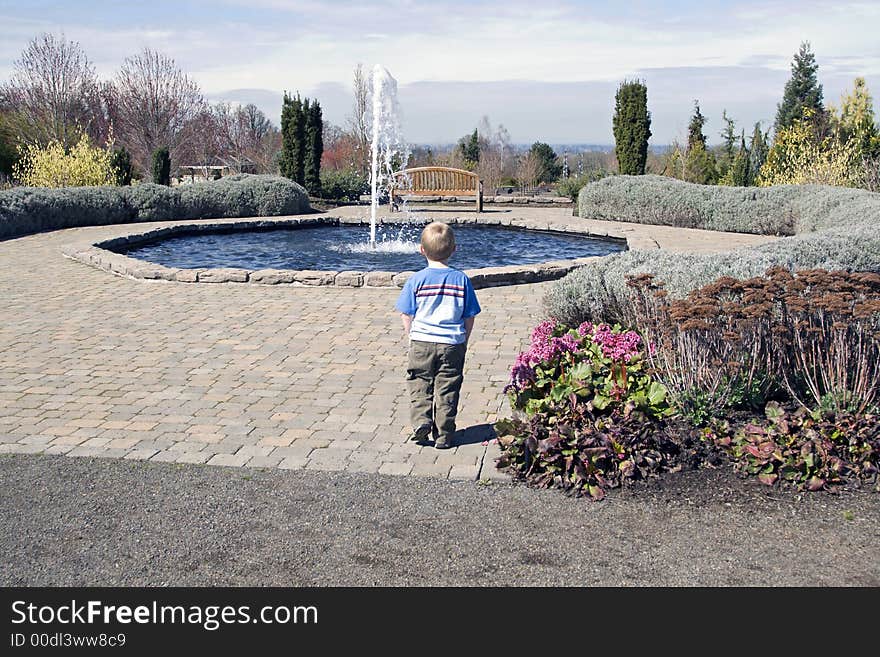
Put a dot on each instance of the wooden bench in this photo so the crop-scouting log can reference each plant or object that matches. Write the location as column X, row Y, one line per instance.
column 437, row 181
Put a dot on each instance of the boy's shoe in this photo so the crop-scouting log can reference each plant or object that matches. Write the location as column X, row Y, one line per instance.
column 420, row 434
column 443, row 442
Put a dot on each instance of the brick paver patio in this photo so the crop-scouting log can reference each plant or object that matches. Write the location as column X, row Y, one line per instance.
column 94, row 364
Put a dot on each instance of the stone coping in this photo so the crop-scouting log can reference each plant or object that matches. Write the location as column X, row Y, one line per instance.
column 499, row 200
column 97, row 254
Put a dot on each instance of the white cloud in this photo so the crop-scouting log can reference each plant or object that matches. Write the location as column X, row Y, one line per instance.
column 684, row 52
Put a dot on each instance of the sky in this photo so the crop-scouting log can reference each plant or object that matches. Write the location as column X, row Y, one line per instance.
column 546, row 70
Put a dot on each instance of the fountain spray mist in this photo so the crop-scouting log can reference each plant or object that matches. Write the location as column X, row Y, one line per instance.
column 387, row 141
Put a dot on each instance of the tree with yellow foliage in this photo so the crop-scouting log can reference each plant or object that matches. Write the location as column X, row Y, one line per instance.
column 856, row 119
column 799, row 157
column 54, row 166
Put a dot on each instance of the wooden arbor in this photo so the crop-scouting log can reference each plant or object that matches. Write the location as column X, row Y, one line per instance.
column 437, row 181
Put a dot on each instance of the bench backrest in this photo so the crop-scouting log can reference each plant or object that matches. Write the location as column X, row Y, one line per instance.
column 437, row 180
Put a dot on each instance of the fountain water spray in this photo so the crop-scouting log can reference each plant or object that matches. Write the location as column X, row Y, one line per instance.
column 387, row 141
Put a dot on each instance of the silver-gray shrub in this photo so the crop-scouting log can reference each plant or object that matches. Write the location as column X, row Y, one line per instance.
column 242, row 195
column 780, row 210
column 25, row 210
column 838, row 229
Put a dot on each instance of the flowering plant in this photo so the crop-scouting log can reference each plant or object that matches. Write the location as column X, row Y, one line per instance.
column 592, row 411
column 598, row 364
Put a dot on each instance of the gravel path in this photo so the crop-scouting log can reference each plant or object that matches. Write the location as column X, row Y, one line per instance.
column 108, row 522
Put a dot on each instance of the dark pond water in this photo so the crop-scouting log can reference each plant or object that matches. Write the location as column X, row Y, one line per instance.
column 337, row 248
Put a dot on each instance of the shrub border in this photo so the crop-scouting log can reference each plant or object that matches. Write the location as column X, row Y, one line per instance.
column 97, row 254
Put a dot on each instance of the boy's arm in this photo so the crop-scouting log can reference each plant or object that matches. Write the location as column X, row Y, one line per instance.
column 406, row 320
column 468, row 327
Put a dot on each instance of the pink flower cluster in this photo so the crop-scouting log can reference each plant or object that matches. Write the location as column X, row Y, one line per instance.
column 620, row 347
column 545, row 348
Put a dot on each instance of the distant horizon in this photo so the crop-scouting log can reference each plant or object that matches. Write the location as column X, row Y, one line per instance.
column 560, row 149
column 547, row 74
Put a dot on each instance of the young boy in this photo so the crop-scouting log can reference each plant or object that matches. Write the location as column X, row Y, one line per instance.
column 437, row 306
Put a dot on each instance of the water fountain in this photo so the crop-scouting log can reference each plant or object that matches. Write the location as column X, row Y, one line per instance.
column 388, row 149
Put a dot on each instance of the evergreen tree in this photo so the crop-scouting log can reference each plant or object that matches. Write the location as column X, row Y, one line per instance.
column 469, row 147
column 314, row 147
column 293, row 146
column 801, row 91
column 759, row 147
column 739, row 174
column 8, row 151
column 549, row 169
column 728, row 148
column 285, row 157
column 699, row 166
column 857, row 119
column 673, row 163
column 632, row 127
column 695, row 128
column 301, row 111
column 120, row 160
column 162, row 166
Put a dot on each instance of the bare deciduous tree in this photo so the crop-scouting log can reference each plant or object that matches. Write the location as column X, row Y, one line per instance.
column 341, row 150
column 490, row 169
column 528, row 169
column 495, row 154
column 253, row 123
column 53, row 92
column 207, row 137
column 156, row 102
column 358, row 122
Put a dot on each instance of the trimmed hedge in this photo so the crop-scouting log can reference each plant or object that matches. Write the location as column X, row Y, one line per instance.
column 25, row 210
column 837, row 229
column 781, row 210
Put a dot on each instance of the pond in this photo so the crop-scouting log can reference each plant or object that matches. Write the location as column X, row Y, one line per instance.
column 347, row 247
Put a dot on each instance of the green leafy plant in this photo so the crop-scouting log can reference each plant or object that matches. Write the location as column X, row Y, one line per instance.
column 570, row 446
column 811, row 451
column 590, row 413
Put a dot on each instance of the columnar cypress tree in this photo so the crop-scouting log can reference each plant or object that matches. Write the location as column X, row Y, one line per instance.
column 285, row 157
column 162, row 166
column 801, row 91
column 758, row 149
column 314, row 147
column 632, row 127
column 8, row 151
column 120, row 160
column 298, row 130
column 293, row 146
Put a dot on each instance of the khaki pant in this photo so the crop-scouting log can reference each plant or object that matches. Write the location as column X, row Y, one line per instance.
column 434, row 377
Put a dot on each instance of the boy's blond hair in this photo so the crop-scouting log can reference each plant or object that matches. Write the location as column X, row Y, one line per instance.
column 438, row 241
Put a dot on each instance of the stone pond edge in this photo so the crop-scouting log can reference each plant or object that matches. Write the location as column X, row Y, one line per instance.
column 96, row 254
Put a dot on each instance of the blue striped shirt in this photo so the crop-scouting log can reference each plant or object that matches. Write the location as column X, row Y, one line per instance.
column 439, row 298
